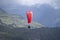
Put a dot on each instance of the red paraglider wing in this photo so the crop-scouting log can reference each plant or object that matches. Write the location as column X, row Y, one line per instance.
column 29, row 16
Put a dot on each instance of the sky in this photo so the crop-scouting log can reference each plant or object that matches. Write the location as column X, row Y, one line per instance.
column 54, row 3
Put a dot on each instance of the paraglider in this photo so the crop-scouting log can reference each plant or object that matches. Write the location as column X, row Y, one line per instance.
column 29, row 17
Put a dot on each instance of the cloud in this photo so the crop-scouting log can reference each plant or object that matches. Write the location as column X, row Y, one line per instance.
column 33, row 2
column 53, row 3
column 57, row 2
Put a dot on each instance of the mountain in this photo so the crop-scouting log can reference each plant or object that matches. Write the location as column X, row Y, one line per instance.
column 57, row 24
column 2, row 11
column 15, row 19
column 12, row 27
column 44, row 14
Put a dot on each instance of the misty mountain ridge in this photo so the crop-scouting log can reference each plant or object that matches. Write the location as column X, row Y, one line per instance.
column 44, row 14
column 17, row 20
column 9, row 29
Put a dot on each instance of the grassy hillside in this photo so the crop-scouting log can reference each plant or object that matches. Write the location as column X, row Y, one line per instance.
column 17, row 20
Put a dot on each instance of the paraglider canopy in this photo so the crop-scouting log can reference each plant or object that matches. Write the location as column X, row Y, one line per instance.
column 29, row 17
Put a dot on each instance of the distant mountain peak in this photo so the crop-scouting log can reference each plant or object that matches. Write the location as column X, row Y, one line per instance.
column 2, row 11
